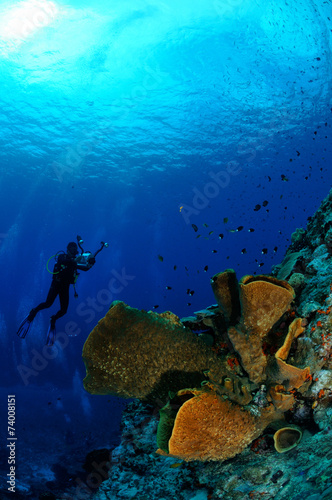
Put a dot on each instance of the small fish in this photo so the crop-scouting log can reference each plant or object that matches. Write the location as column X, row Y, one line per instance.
column 284, row 178
column 206, row 268
column 186, row 268
column 156, row 306
column 175, row 268
column 261, row 264
column 181, row 208
column 265, row 203
column 214, row 251
column 195, row 228
column 232, row 230
column 191, row 293
column 198, row 236
column 161, row 258
column 205, row 225
column 174, row 466
column 225, row 220
column 257, row 207
column 188, row 290
column 269, row 178
column 239, row 228
column 188, row 303
column 298, row 153
column 264, row 251
column 211, row 232
column 168, row 288
column 244, row 250
column 221, row 236
column 251, row 230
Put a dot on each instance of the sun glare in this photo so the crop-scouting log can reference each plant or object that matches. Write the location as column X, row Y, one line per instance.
column 20, row 22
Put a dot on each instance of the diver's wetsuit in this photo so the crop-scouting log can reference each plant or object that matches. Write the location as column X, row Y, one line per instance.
column 65, row 272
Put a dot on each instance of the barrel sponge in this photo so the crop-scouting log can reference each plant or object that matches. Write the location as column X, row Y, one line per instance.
column 264, row 300
column 139, row 354
column 209, row 427
column 284, row 373
column 286, row 438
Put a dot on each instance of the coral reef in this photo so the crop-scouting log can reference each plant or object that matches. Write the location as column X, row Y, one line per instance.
column 299, row 340
column 304, row 472
column 219, row 417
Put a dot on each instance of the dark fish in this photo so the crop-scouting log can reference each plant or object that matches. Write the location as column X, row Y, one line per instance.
column 205, row 225
column 186, row 268
column 188, row 291
column 156, row 306
column 211, row 232
column 269, row 178
column 221, row 236
column 191, row 293
column 168, row 288
column 240, row 228
column 275, row 249
column 265, row 203
column 264, row 251
column 206, row 268
column 214, row 251
column 198, row 236
column 189, row 304
column 195, row 228
column 175, row 268
column 298, row 153
column 244, row 250
column 284, row 178
column 161, row 258
column 261, row 264
column 225, row 220
column 251, row 230
column 257, row 207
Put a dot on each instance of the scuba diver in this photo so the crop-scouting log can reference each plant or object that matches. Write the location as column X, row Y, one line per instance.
column 64, row 274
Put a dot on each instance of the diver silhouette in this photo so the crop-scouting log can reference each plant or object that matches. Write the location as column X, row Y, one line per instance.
column 64, row 274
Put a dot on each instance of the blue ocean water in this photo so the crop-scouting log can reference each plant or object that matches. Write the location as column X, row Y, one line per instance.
column 191, row 136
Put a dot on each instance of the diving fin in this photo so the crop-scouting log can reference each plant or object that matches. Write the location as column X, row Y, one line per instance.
column 51, row 333
column 24, row 327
